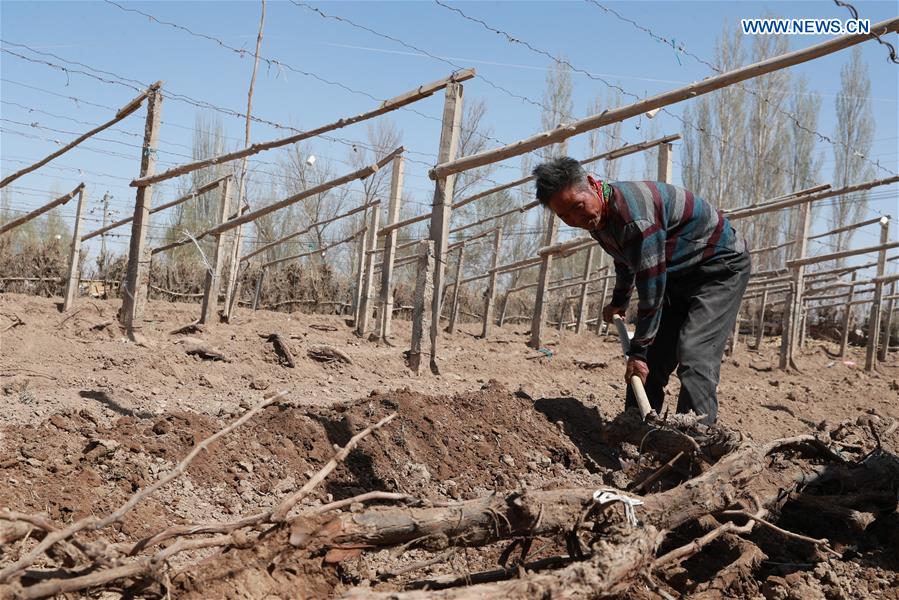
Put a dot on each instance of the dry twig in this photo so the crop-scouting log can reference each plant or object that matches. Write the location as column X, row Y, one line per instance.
column 284, row 508
column 93, row 523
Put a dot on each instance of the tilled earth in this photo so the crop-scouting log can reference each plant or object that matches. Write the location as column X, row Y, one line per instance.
column 90, row 419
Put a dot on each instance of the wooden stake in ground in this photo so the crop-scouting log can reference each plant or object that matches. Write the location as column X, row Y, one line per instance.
column 232, row 285
column 490, row 294
column 259, row 280
column 137, row 273
column 760, row 333
column 539, row 317
column 457, row 286
column 361, row 245
column 74, row 257
column 582, row 303
column 366, row 299
column 793, row 307
column 888, row 325
column 877, row 302
column 389, row 253
column 847, row 318
column 604, row 261
column 214, row 270
column 442, row 207
column 421, row 306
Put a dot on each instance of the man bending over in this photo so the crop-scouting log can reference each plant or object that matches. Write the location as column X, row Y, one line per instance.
column 687, row 262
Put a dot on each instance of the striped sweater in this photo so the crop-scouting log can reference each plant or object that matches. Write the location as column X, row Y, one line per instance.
column 653, row 231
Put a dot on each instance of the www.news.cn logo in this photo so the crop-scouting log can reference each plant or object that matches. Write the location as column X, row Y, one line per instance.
column 805, row 26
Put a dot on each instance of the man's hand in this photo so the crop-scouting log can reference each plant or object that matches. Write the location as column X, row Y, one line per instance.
column 637, row 367
column 609, row 311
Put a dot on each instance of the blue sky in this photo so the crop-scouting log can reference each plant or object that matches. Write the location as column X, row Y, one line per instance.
column 131, row 46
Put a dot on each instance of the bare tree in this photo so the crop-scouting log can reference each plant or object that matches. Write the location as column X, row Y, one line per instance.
column 558, row 106
column 606, row 139
column 803, row 159
column 853, row 135
column 767, row 155
column 474, row 137
column 715, row 133
column 200, row 213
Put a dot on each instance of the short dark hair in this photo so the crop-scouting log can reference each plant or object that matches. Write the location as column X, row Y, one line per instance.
column 557, row 174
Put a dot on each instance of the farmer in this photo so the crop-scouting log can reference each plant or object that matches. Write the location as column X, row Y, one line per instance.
column 687, row 262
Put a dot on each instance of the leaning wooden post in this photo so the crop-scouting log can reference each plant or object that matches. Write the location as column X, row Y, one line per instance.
column 389, row 253
column 539, row 316
column 888, row 325
column 369, row 256
column 214, row 270
column 259, row 280
column 454, row 309
column 847, row 317
column 760, row 334
column 582, row 311
column 877, row 301
column 441, row 207
column 137, row 273
column 490, row 294
column 421, row 306
column 74, row 278
column 793, row 305
column 666, row 157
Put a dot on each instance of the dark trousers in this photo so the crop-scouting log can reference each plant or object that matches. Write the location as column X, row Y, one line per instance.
column 699, row 314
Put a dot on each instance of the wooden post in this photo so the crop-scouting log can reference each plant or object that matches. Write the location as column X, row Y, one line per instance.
column 847, row 317
column 74, row 258
column 137, row 274
column 490, row 294
column 232, row 282
column 369, row 256
column 502, row 311
column 666, row 157
column 888, row 325
column 562, row 307
column 454, row 309
column 424, row 292
column 441, row 207
column 582, row 311
column 760, row 334
column 258, row 292
column 361, row 244
column 877, row 301
column 389, row 253
column 605, row 293
column 735, row 335
column 549, row 238
column 214, row 270
column 803, row 324
column 793, row 305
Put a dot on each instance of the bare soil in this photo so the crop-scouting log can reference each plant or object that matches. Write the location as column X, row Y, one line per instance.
column 89, row 418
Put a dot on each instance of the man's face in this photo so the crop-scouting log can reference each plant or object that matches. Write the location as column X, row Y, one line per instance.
column 578, row 205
